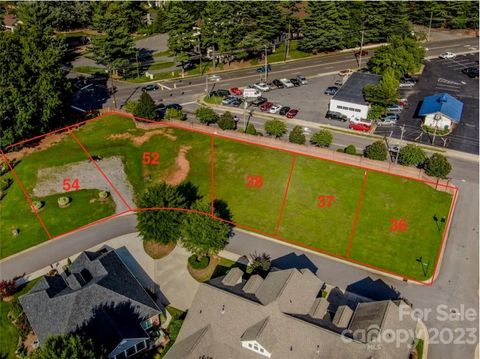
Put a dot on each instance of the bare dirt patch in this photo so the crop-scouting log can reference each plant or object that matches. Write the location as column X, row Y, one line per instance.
column 46, row 142
column 141, row 139
column 181, row 168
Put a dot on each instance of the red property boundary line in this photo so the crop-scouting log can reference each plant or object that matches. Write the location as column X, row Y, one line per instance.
column 212, row 215
column 287, row 187
column 212, row 175
column 357, row 214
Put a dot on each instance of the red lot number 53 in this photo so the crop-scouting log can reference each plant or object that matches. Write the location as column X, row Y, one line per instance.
column 69, row 185
column 150, row 158
column 325, row 201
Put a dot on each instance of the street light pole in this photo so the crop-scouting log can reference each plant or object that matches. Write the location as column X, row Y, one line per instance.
column 401, row 139
column 430, row 26
column 361, row 50
column 266, row 64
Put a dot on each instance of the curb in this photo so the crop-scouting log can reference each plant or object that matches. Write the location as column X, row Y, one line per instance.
column 422, row 333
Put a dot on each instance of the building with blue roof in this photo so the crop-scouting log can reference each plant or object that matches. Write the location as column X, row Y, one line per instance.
column 441, row 111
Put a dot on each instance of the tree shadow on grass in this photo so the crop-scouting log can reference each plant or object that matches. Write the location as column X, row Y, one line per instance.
column 190, row 192
column 222, row 211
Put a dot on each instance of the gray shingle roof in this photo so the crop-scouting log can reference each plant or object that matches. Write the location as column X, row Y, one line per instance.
column 233, row 317
column 253, row 283
column 342, row 316
column 99, row 296
column 233, row 277
column 263, row 333
column 352, row 90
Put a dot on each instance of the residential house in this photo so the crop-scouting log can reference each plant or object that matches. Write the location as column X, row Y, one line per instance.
column 98, row 297
column 285, row 316
column 441, row 111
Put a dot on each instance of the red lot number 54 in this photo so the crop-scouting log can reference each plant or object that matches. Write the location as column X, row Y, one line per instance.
column 325, row 201
column 69, row 185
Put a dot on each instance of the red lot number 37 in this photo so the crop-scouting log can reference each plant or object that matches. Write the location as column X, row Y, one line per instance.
column 150, row 158
column 325, row 201
column 69, row 185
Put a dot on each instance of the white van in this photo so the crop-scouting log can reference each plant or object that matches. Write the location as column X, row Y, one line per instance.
column 251, row 93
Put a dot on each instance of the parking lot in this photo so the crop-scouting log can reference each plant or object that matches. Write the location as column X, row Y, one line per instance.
column 442, row 75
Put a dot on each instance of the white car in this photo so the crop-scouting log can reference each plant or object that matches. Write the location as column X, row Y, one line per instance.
column 286, row 82
column 214, row 78
column 448, row 55
column 275, row 108
column 262, row 86
column 406, row 84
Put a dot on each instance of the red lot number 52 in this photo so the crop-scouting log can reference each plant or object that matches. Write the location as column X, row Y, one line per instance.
column 325, row 201
column 70, row 185
column 150, row 158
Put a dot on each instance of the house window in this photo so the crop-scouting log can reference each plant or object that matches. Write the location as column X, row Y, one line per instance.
column 261, row 350
column 141, row 346
column 147, row 324
column 120, row 356
column 131, row 351
column 250, row 345
column 255, row 347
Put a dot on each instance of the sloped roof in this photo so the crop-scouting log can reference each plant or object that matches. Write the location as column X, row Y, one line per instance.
column 253, row 283
column 233, row 277
column 108, row 303
column 261, row 332
column 443, row 103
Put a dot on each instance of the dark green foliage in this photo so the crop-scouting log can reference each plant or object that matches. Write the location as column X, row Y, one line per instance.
column 260, row 262
column 275, row 128
column 180, row 34
column 411, row 155
column 161, row 226
column 322, row 138
column 385, row 92
column 438, row 166
column 251, row 130
column 201, row 234
column 206, row 115
column 174, row 114
column 145, row 107
column 350, row 149
column 114, row 14
column 34, row 90
column 226, row 122
column 198, row 263
column 5, row 183
column 376, row 111
column 67, row 346
column 449, row 14
column 376, row 151
column 297, row 136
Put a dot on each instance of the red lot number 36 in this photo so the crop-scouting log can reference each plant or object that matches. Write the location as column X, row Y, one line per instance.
column 150, row 158
column 325, row 201
column 69, row 185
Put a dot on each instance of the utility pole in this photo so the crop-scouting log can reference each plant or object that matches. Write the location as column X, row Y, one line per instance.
column 266, row 64
column 399, row 147
column 430, row 26
column 113, row 88
column 245, row 104
column 287, row 43
column 138, row 71
column 361, row 50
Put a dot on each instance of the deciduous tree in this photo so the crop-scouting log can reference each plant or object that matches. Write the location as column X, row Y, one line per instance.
column 376, row 151
column 322, row 138
column 206, row 115
column 275, row 128
column 411, row 155
column 226, row 122
column 67, row 346
column 297, row 136
column 438, row 166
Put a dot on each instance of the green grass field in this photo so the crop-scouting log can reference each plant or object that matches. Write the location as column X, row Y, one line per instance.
column 332, row 228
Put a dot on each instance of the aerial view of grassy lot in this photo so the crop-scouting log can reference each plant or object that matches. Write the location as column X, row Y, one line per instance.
column 319, row 209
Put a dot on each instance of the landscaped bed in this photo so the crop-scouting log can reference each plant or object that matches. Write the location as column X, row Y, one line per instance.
column 367, row 217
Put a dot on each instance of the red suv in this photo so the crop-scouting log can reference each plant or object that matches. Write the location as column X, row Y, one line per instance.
column 359, row 127
column 292, row 113
column 265, row 106
column 236, row 91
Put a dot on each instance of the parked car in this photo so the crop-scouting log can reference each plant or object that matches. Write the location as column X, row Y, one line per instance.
column 359, row 127
column 302, row 79
column 331, row 90
column 448, row 55
column 250, row 93
column 292, row 113
column 236, row 91
column 236, row 102
column 265, row 106
column 471, row 72
column 228, row 100
column 175, row 106
column 261, row 70
column 275, row 108
column 262, row 86
column 258, row 101
column 363, row 53
column 394, row 108
column 406, row 84
column 336, row 116
column 384, row 121
column 339, row 82
column 346, row 72
column 390, row 117
column 149, row 88
column 223, row 93
column 278, row 84
column 403, row 102
column 295, row 82
column 284, row 110
column 286, row 82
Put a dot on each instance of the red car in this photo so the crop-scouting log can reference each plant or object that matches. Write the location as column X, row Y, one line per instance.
column 236, row 91
column 266, row 106
column 359, row 127
column 292, row 113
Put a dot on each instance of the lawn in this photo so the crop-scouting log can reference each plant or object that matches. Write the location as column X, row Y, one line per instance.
column 319, row 210
column 9, row 337
column 90, row 70
column 293, row 53
column 161, row 65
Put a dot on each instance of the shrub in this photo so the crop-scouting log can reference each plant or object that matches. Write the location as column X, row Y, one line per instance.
column 37, row 205
column 275, row 128
column 174, row 114
column 63, row 201
column 376, row 151
column 322, row 138
column 375, row 112
column 5, row 183
column 146, row 107
column 297, row 136
column 7, row 288
column 438, row 166
column 411, row 155
column 350, row 149
column 198, row 263
column 4, row 168
column 206, row 115
column 103, row 194
column 226, row 122
column 251, row 130
column 131, row 106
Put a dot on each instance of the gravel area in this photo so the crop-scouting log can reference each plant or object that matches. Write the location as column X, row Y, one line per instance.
column 50, row 180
